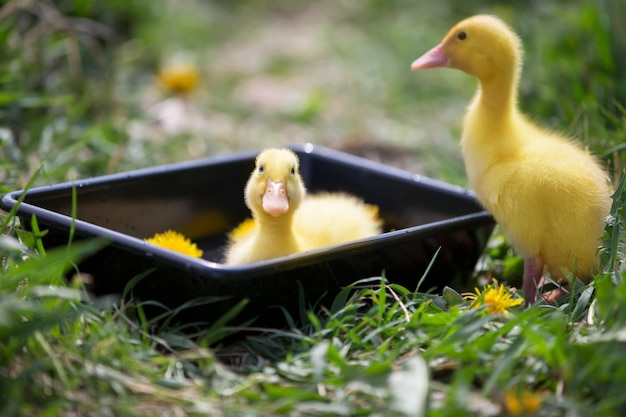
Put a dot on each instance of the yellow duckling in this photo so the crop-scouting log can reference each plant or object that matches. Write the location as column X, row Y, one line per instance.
column 549, row 196
column 286, row 220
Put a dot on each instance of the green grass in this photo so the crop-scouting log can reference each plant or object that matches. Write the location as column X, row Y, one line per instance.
column 79, row 98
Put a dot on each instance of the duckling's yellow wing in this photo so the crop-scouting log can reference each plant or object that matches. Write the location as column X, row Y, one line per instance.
column 551, row 200
column 331, row 218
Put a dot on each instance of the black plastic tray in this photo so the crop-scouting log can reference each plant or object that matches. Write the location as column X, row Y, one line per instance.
column 203, row 199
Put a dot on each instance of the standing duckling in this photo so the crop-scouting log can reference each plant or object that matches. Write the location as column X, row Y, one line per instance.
column 549, row 196
column 286, row 220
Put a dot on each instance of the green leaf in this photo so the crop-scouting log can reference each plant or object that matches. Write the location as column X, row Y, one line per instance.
column 452, row 297
column 582, row 304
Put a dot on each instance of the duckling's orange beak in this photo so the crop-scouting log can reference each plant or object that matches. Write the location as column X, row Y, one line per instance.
column 435, row 58
column 275, row 201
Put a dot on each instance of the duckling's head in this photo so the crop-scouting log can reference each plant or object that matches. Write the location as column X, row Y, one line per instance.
column 275, row 186
column 483, row 46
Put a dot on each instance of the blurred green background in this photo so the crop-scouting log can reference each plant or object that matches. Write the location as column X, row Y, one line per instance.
column 79, row 91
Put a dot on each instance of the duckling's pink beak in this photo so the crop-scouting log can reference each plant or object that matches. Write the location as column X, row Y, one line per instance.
column 435, row 58
column 275, row 201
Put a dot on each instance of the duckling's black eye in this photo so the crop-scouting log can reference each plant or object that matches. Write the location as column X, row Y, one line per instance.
column 261, row 168
column 461, row 36
column 293, row 171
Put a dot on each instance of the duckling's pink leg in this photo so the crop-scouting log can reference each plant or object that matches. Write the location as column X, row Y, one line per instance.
column 533, row 270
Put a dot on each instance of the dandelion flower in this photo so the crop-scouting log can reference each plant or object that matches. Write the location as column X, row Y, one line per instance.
column 520, row 403
column 180, row 77
column 244, row 228
column 176, row 242
column 496, row 297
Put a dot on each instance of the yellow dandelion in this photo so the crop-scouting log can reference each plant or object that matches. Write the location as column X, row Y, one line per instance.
column 496, row 297
column 522, row 402
column 243, row 229
column 176, row 242
column 179, row 77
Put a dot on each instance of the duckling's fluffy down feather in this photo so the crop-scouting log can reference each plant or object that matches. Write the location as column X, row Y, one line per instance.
column 550, row 199
column 322, row 219
column 304, row 222
column 326, row 219
column 548, row 194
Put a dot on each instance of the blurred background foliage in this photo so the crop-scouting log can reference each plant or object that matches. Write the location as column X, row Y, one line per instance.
column 79, row 91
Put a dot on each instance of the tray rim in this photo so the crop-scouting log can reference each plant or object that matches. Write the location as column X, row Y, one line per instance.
column 220, row 271
column 308, row 148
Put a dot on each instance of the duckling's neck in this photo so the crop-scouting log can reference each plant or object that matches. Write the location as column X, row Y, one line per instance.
column 497, row 96
column 493, row 114
column 272, row 224
column 491, row 129
column 278, row 230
